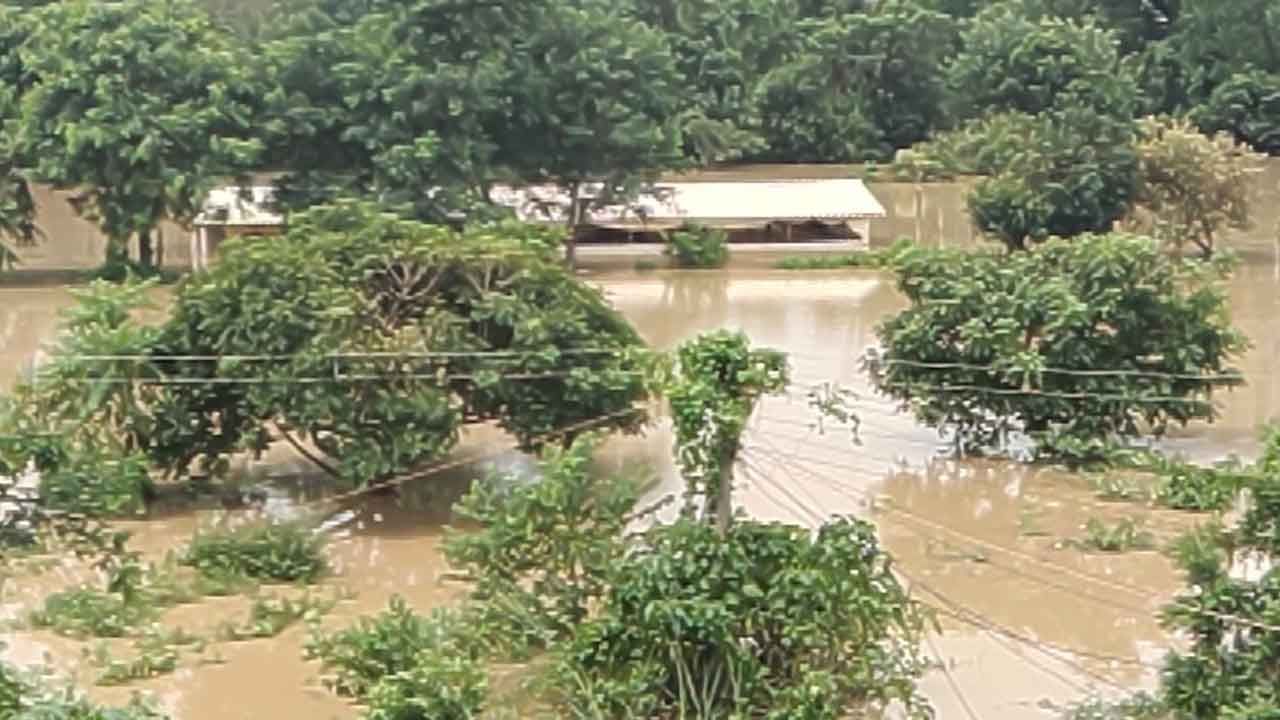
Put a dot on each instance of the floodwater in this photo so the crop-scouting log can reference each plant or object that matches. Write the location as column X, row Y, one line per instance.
column 1029, row 619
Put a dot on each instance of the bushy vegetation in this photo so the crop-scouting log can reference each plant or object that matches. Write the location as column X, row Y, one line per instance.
column 1088, row 339
column 281, row 552
column 694, row 246
column 537, row 552
column 764, row 620
column 406, row 666
column 28, row 698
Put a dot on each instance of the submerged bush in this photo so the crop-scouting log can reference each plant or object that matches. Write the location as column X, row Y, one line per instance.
column 1092, row 338
column 766, row 621
column 694, row 246
column 279, row 552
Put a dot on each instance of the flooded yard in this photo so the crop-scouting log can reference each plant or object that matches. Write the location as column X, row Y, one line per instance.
column 1030, row 619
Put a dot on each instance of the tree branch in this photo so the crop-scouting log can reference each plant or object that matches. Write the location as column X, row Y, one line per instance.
column 304, row 452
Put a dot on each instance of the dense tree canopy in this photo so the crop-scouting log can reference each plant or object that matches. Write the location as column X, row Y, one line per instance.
column 991, row 344
column 137, row 106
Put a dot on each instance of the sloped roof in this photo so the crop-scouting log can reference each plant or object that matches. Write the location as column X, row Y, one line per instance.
column 233, row 206
column 741, row 202
column 724, row 203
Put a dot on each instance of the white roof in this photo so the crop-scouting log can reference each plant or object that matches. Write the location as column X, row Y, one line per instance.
column 665, row 204
column 235, row 206
column 668, row 203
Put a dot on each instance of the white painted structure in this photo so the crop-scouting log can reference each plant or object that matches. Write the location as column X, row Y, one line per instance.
column 728, row 205
column 723, row 204
column 236, row 210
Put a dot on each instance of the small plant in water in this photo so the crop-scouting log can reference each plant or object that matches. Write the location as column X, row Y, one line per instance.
column 270, row 616
column 280, row 553
column 1119, row 488
column 157, row 654
column 86, row 612
column 1125, row 536
column 694, row 246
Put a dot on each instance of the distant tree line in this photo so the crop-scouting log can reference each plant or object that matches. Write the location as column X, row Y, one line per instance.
column 141, row 105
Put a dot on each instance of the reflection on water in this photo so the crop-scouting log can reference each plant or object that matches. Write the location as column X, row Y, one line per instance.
column 988, row 536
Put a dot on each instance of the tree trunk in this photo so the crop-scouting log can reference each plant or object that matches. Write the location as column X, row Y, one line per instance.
column 724, row 495
column 146, row 251
column 117, row 251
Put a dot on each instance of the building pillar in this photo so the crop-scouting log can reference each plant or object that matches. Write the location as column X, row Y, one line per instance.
column 195, row 248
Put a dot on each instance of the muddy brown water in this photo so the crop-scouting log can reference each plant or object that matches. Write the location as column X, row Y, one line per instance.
column 991, row 538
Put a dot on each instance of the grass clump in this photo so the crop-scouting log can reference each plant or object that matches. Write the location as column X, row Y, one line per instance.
column 271, row 553
column 86, row 612
column 1126, row 535
column 884, row 257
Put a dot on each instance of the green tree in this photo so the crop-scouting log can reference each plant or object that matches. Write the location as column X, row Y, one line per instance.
column 1012, row 61
column 138, row 106
column 1089, row 338
column 768, row 621
column 351, row 309
column 1062, row 173
column 1246, row 105
column 1192, row 186
column 860, row 82
column 17, row 209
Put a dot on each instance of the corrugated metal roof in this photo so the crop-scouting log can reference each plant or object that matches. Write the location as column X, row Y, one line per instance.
column 708, row 202
column 240, row 207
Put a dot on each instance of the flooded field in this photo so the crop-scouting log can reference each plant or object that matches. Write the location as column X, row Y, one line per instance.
column 991, row 539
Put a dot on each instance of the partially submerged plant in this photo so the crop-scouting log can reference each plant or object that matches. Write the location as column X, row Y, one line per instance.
column 270, row 616
column 86, row 612
column 1124, row 536
column 269, row 552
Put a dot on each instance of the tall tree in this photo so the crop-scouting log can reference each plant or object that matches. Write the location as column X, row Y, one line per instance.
column 139, row 106
column 1012, row 61
column 17, row 209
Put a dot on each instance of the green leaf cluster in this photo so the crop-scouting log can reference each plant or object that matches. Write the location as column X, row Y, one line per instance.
column 767, row 621
column 711, row 389
column 375, row 338
column 275, row 552
column 406, row 666
column 1093, row 338
column 694, row 246
column 537, row 551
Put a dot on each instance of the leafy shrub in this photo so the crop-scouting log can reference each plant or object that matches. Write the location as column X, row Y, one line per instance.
column 694, row 246
column 1092, row 338
column 379, row 646
column 1139, row 707
column 766, row 621
column 442, row 684
column 539, row 554
column 277, row 552
column 1185, row 486
column 85, row 612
